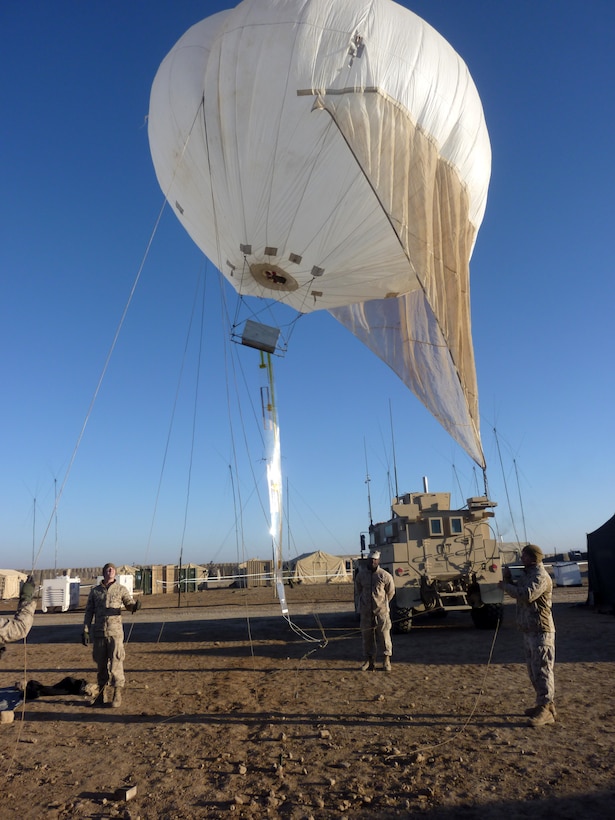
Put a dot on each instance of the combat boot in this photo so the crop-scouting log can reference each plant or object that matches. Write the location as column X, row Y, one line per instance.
column 368, row 665
column 99, row 700
column 387, row 664
column 533, row 710
column 109, row 694
column 543, row 717
column 117, row 697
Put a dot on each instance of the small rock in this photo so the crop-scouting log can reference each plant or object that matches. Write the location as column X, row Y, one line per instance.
column 344, row 805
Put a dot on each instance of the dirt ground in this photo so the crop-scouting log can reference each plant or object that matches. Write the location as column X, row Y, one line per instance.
column 228, row 712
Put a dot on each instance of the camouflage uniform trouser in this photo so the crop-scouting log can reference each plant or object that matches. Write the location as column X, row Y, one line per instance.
column 109, row 654
column 540, row 660
column 376, row 628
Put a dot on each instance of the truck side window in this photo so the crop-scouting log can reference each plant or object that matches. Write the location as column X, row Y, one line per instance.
column 435, row 526
column 456, row 525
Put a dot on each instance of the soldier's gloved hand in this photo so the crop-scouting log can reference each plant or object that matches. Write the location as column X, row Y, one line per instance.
column 27, row 591
column 136, row 606
column 85, row 636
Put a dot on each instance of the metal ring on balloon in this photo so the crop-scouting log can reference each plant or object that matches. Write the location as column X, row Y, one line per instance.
column 273, row 277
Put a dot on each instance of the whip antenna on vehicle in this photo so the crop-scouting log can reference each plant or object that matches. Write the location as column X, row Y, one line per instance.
column 394, row 459
column 367, row 481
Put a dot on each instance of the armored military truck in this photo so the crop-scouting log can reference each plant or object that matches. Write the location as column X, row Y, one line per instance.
column 440, row 559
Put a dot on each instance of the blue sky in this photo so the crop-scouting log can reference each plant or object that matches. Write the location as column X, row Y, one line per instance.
column 170, row 461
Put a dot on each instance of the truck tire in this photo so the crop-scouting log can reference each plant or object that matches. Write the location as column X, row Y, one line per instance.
column 487, row 616
column 401, row 619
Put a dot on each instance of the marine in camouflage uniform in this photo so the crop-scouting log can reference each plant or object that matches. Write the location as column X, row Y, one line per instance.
column 534, row 595
column 17, row 627
column 374, row 589
column 104, row 608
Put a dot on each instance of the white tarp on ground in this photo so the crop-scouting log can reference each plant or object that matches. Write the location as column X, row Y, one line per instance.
column 319, row 568
column 10, row 583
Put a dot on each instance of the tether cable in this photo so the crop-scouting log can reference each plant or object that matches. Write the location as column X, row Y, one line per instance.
column 469, row 718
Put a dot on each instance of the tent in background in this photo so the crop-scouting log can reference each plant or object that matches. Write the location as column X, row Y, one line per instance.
column 126, row 569
column 601, row 566
column 319, row 568
column 10, row 583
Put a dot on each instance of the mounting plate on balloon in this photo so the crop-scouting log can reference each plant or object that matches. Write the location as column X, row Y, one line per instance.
column 273, row 277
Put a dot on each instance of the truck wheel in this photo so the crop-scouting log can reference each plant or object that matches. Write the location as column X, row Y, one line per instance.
column 401, row 619
column 487, row 616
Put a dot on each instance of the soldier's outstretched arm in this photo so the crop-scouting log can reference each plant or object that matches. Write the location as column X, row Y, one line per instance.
column 17, row 627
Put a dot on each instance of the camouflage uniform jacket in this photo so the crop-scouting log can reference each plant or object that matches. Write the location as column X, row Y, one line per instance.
column 534, row 594
column 374, row 590
column 104, row 606
column 17, row 627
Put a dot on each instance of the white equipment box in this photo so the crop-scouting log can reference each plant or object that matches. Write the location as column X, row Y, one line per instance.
column 567, row 574
column 127, row 581
column 61, row 592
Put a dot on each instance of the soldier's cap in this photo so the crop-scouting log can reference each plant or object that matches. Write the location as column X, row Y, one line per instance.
column 374, row 554
column 534, row 551
column 107, row 566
